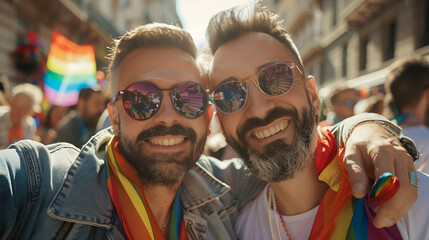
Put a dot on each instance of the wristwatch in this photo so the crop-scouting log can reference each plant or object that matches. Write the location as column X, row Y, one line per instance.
column 410, row 146
column 406, row 142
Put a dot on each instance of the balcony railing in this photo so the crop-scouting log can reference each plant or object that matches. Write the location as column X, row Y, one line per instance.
column 361, row 11
column 94, row 16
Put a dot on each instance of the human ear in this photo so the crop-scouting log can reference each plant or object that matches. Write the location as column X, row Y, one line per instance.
column 312, row 93
column 114, row 117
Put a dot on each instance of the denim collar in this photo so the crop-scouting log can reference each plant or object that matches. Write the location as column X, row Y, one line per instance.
column 84, row 198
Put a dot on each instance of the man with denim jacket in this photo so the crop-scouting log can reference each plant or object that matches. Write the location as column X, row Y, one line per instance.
column 137, row 180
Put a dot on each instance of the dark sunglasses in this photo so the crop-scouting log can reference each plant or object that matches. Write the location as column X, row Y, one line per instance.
column 274, row 79
column 142, row 100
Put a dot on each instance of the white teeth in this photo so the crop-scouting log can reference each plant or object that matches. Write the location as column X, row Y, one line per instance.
column 272, row 130
column 266, row 133
column 166, row 141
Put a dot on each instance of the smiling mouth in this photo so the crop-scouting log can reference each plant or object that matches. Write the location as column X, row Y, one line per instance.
column 272, row 130
column 166, row 141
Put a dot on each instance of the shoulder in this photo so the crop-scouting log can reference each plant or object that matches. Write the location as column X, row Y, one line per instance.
column 416, row 131
column 27, row 152
column 213, row 165
column 4, row 110
column 69, row 121
column 30, row 175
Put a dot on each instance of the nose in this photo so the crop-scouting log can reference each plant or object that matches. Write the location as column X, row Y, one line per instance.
column 167, row 115
column 258, row 104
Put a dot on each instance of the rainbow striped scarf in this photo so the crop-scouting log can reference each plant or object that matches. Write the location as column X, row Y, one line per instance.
column 340, row 215
column 127, row 193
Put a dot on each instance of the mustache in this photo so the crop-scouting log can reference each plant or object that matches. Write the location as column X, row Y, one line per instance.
column 161, row 130
column 273, row 115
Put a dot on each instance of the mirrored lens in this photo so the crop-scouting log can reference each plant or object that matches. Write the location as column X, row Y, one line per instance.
column 276, row 79
column 141, row 100
column 230, row 96
column 189, row 99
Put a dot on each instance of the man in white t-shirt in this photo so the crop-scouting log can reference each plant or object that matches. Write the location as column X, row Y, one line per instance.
column 407, row 88
column 272, row 124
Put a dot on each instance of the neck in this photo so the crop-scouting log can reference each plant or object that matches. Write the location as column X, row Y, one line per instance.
column 300, row 194
column 160, row 199
column 419, row 110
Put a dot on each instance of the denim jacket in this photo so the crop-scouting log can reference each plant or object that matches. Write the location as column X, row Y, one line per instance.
column 59, row 192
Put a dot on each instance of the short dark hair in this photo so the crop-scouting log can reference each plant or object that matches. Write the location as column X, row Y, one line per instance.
column 235, row 22
column 154, row 35
column 407, row 82
column 85, row 92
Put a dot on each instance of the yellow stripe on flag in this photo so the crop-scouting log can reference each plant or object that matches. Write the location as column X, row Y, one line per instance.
column 133, row 195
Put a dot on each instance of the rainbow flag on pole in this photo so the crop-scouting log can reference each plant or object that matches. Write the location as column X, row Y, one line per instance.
column 70, row 68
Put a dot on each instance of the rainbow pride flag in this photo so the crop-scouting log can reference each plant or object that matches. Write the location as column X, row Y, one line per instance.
column 70, row 68
column 340, row 215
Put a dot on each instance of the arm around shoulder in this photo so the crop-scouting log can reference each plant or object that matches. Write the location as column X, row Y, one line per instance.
column 345, row 127
column 244, row 187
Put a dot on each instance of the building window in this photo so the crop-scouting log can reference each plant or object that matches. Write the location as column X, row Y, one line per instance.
column 334, row 12
column 345, row 47
column 363, row 53
column 425, row 31
column 389, row 52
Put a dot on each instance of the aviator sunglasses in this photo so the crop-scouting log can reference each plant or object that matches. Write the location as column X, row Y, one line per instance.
column 142, row 100
column 274, row 79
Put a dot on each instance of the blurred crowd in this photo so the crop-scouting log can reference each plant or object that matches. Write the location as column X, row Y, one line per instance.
column 24, row 114
column 404, row 100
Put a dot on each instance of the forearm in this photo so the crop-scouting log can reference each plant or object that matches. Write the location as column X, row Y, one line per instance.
column 344, row 129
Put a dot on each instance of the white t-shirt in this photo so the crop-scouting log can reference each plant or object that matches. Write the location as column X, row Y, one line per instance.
column 420, row 135
column 253, row 222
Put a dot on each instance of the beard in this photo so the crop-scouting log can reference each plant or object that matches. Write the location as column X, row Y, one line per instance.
column 147, row 164
column 279, row 161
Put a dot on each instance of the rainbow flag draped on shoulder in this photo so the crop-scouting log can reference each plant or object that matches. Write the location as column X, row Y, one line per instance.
column 340, row 215
column 70, row 68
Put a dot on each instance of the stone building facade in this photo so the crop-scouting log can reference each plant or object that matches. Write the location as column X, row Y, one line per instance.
column 355, row 40
column 94, row 22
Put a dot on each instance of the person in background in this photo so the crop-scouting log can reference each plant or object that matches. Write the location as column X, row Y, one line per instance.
column 80, row 124
column 4, row 90
column 47, row 131
column 16, row 121
column 341, row 101
column 407, row 102
column 371, row 104
column 274, row 130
